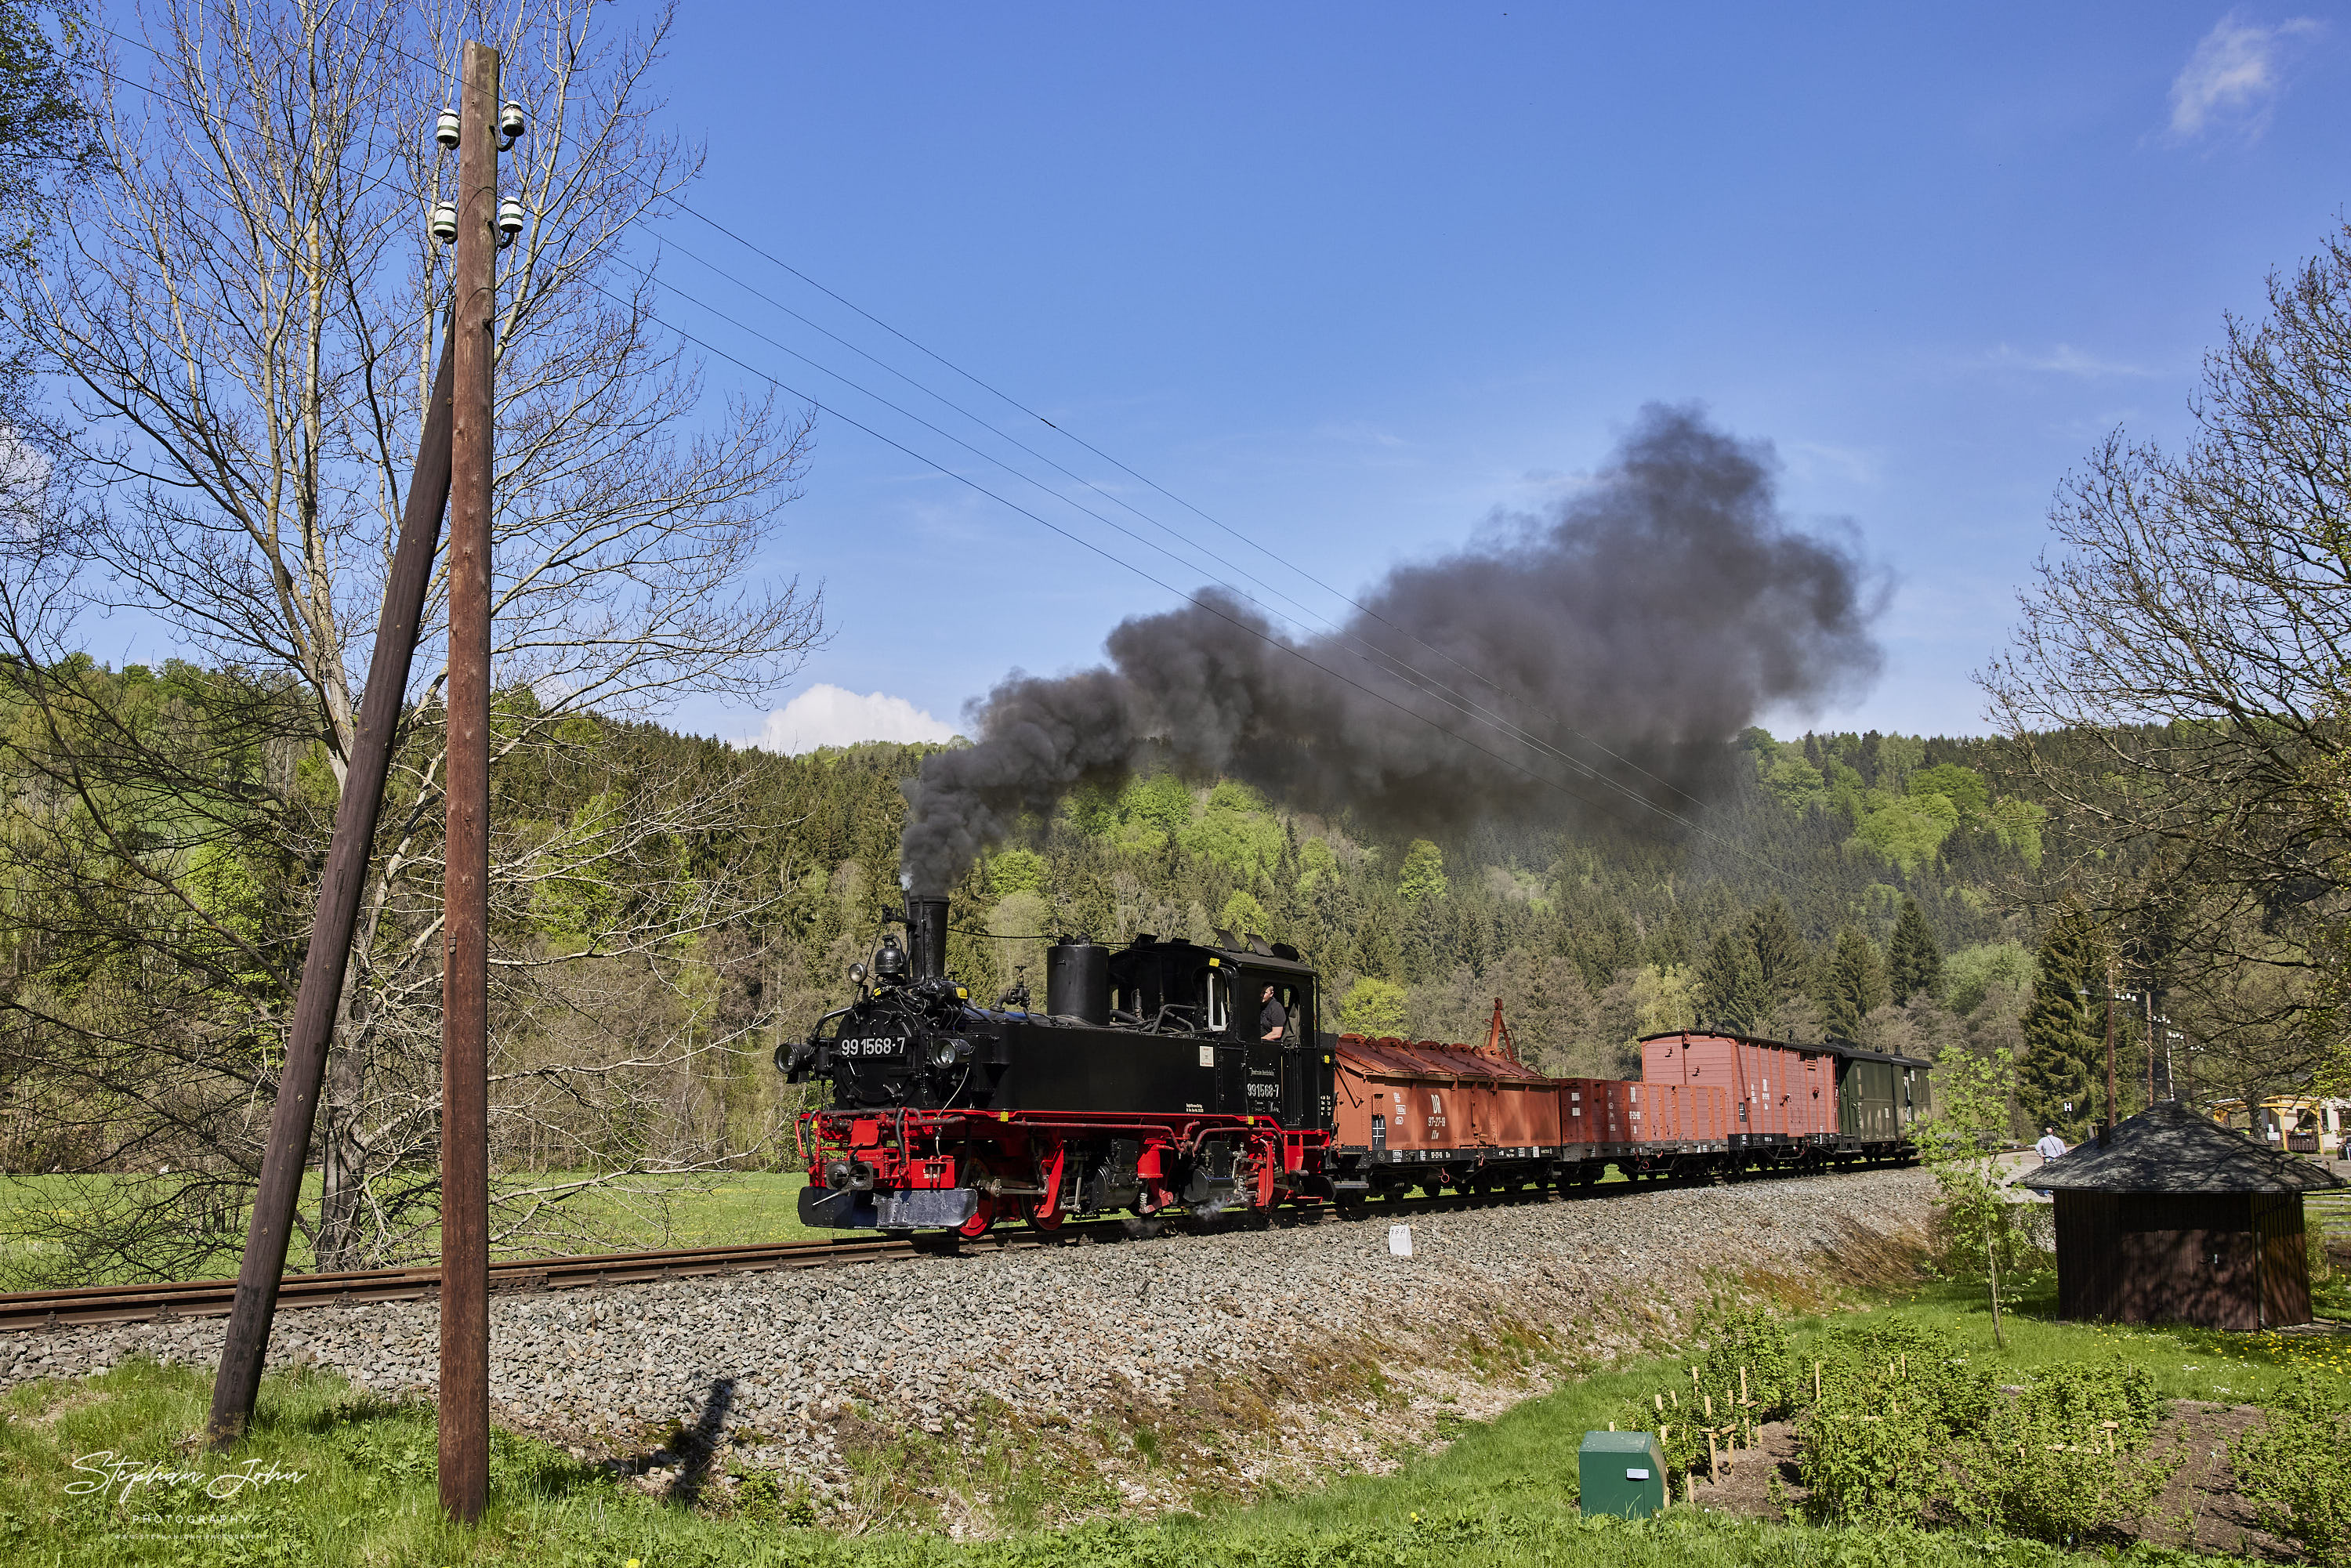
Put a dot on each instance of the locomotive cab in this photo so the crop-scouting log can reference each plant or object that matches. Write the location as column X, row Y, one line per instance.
column 1218, row 994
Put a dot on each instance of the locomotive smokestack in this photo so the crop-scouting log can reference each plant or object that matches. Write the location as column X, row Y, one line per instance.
column 927, row 937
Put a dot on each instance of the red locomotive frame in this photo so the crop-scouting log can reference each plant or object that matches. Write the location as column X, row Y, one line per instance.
column 1017, row 1161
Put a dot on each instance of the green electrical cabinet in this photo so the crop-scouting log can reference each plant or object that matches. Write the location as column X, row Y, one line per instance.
column 1622, row 1473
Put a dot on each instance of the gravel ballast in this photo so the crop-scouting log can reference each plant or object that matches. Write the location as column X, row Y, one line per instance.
column 786, row 1370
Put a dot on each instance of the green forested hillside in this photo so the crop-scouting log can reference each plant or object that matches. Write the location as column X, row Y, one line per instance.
column 667, row 909
column 1590, row 930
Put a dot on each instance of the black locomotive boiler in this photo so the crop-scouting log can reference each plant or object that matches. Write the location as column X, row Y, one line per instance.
column 1164, row 1075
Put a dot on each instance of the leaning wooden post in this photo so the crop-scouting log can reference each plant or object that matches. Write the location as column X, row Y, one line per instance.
column 247, row 1345
column 465, row 966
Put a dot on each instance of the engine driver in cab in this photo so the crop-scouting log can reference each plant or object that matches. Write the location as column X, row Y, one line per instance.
column 1272, row 1019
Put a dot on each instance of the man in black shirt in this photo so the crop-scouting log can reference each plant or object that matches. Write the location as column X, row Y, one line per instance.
column 1273, row 1019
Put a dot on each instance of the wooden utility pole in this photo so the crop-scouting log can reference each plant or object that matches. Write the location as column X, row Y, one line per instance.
column 465, row 966
column 246, row 1344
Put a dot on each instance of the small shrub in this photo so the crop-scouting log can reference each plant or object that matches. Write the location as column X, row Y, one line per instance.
column 2296, row 1468
column 1754, row 1341
column 2066, row 1460
column 1873, row 1469
column 1894, row 1400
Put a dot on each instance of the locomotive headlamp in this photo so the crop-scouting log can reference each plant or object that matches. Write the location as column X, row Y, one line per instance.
column 947, row 1051
column 848, row 1176
column 857, row 974
column 444, row 128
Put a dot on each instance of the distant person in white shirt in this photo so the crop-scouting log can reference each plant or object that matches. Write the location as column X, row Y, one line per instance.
column 2051, row 1145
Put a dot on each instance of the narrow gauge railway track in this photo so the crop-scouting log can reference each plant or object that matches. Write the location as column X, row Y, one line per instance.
column 212, row 1298
column 164, row 1302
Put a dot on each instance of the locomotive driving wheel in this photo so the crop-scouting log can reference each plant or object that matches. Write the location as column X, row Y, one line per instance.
column 983, row 1214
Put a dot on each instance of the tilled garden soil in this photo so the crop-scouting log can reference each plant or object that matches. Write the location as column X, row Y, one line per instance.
column 2201, row 1506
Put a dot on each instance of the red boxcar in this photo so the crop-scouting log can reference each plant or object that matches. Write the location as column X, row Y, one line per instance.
column 1775, row 1090
column 1683, row 1113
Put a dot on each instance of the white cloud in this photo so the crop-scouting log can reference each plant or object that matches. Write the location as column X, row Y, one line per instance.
column 830, row 715
column 2065, row 360
column 1816, row 460
column 2234, row 75
column 1358, row 432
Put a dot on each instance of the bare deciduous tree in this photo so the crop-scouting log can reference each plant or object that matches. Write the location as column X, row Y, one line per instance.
column 2178, row 684
column 240, row 317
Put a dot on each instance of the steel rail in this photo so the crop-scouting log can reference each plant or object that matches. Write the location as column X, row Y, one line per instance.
column 169, row 1301
column 212, row 1298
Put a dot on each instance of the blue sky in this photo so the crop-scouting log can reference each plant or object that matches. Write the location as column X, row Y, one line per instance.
column 1349, row 278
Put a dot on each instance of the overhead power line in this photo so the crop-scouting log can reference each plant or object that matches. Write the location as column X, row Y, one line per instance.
column 1380, row 659
column 1370, row 653
column 1402, row 666
column 1196, row 600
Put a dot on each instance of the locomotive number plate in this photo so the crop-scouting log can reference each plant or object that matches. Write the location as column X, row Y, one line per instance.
column 879, row 1045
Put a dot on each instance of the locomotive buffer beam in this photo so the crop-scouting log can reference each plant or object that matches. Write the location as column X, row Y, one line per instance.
column 915, row 1208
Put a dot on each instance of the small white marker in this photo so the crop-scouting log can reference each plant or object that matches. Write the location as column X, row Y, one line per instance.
column 1399, row 1240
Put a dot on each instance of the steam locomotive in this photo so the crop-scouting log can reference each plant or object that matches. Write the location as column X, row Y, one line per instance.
column 1173, row 1078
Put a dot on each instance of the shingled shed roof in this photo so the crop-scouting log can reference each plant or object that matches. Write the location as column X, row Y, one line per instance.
column 2171, row 1148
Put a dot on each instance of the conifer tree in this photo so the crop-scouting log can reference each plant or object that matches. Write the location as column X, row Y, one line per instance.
column 1782, row 957
column 1730, row 992
column 2060, row 1031
column 1914, row 964
column 1856, row 985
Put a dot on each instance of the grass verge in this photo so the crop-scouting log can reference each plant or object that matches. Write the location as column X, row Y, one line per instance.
column 104, row 1472
column 729, row 1208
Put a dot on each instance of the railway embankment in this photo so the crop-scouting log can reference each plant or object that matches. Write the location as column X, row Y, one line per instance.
column 1150, row 1371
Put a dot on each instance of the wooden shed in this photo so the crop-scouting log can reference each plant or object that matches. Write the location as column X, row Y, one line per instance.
column 2175, row 1219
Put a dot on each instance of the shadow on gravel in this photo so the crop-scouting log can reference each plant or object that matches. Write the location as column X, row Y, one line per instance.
column 698, row 1442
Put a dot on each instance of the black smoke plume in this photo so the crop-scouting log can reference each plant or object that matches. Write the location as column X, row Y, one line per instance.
column 1654, row 613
